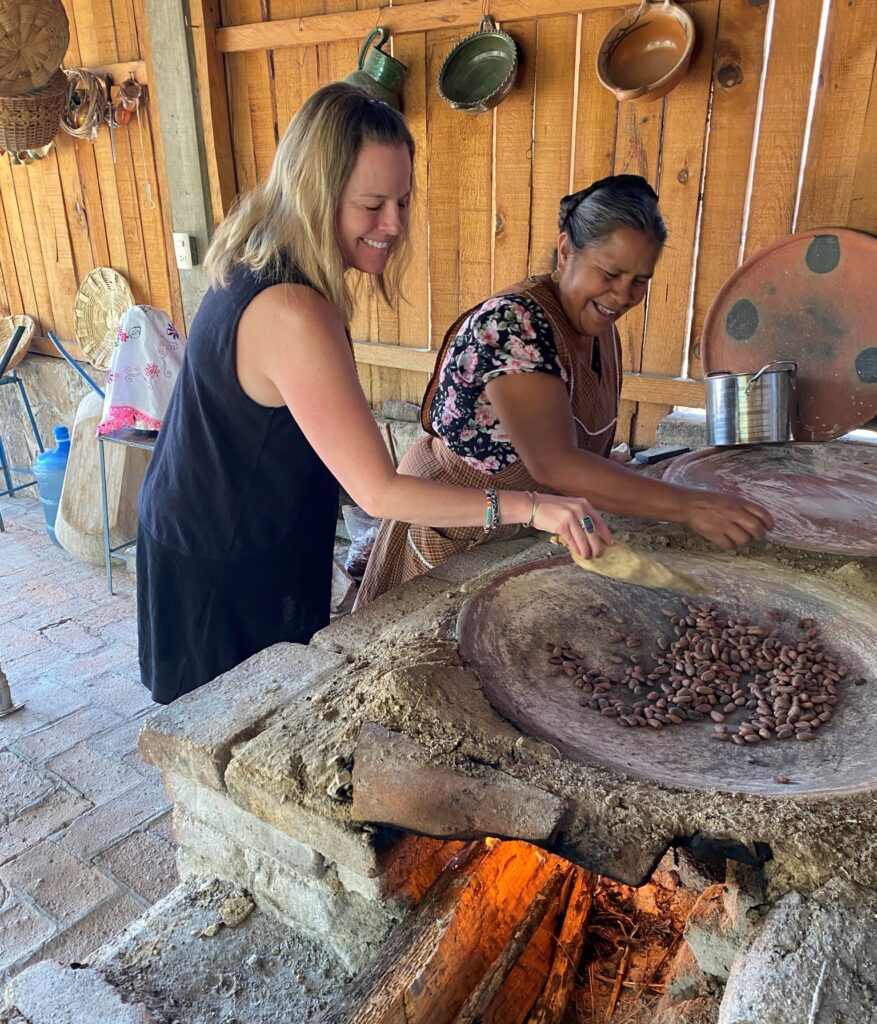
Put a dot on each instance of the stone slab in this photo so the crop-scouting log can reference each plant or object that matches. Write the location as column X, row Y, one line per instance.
column 105, row 825
column 403, row 614
column 195, row 735
column 229, row 823
column 23, row 929
column 22, row 784
column 392, row 773
column 814, row 960
column 54, row 392
column 61, row 884
column 336, row 840
column 353, row 926
column 260, row 971
column 52, row 994
column 715, row 930
column 40, row 820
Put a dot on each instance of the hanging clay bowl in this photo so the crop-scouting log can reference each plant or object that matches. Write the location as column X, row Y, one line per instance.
column 647, row 53
column 479, row 70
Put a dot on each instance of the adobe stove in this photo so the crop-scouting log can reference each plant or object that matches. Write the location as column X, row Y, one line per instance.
column 510, row 766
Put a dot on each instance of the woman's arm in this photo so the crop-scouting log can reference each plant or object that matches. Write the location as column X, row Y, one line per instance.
column 292, row 350
column 534, row 411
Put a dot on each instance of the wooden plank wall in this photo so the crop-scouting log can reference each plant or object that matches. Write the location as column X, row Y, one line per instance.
column 740, row 152
column 76, row 209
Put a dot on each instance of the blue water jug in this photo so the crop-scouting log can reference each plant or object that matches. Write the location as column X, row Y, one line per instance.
column 49, row 469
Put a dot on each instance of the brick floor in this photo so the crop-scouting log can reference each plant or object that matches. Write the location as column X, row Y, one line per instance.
column 85, row 842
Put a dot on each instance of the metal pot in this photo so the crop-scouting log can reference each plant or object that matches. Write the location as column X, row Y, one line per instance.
column 479, row 70
column 751, row 408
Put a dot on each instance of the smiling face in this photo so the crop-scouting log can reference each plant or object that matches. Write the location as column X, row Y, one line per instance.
column 373, row 209
column 599, row 284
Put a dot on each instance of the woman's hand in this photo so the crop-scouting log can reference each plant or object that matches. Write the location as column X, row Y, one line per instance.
column 726, row 520
column 573, row 519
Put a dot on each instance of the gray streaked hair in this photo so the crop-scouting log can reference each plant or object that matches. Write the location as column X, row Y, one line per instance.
column 619, row 201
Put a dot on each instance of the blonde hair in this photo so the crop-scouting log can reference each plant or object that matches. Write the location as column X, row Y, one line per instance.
column 288, row 221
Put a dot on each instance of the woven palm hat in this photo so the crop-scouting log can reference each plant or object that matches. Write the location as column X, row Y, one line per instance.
column 8, row 325
column 102, row 298
column 34, row 35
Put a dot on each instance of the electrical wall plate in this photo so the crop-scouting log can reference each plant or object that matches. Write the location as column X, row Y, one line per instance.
column 185, row 251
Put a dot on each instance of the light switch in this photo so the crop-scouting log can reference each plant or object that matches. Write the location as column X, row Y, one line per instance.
column 184, row 248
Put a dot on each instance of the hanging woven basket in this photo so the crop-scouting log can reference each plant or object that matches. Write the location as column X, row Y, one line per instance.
column 102, row 298
column 34, row 35
column 33, row 120
column 8, row 325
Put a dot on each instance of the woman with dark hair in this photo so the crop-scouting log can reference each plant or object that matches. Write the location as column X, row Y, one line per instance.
column 527, row 387
column 238, row 509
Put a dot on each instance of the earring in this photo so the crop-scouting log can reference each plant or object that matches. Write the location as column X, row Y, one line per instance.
column 555, row 275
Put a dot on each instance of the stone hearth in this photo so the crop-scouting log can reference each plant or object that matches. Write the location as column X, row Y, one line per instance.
column 321, row 779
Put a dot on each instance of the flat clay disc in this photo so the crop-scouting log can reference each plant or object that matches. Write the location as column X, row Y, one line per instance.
column 809, row 298
column 823, row 497
column 502, row 629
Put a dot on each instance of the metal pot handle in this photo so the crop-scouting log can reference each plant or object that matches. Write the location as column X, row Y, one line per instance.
column 783, row 364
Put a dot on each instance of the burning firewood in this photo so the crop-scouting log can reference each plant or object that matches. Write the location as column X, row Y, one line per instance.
column 555, row 997
column 484, row 992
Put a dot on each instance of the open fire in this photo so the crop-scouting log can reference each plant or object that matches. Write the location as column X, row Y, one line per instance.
column 510, row 934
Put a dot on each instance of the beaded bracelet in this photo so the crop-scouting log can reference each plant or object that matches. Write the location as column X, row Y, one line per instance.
column 491, row 521
column 532, row 496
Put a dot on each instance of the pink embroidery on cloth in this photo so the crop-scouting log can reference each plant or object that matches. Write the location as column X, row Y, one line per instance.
column 120, row 416
column 143, row 368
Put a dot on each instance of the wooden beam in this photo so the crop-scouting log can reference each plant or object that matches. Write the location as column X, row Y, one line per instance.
column 122, row 70
column 636, row 387
column 396, row 357
column 415, row 17
column 45, row 348
column 210, row 69
column 647, row 387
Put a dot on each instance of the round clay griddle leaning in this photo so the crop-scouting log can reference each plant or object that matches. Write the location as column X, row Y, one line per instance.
column 823, row 497
column 502, row 629
column 810, row 298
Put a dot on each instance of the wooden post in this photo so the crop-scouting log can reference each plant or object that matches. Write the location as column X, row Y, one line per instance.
column 173, row 87
column 210, row 68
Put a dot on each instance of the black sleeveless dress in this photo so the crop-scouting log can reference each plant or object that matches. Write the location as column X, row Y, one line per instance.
column 236, row 517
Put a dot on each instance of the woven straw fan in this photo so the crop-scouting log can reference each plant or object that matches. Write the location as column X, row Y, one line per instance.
column 8, row 325
column 34, row 35
column 102, row 298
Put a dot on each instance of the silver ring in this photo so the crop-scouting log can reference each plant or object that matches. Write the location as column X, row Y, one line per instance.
column 588, row 524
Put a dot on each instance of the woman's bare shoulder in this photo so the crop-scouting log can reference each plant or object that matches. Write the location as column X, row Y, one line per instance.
column 289, row 304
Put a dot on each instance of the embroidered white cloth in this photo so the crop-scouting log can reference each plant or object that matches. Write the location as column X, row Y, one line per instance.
column 143, row 370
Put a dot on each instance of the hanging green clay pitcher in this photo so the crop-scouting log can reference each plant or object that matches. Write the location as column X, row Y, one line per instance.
column 378, row 73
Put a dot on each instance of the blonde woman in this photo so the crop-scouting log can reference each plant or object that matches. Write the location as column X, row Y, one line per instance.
column 238, row 509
